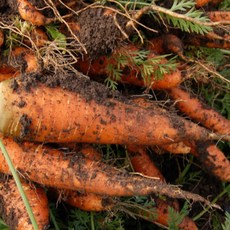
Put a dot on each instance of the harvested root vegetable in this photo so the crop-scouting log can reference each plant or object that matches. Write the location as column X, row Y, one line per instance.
column 174, row 148
column 38, row 37
column 88, row 201
column 91, row 114
column 197, row 110
column 142, row 163
column 29, row 13
column 212, row 159
column 7, row 72
column 1, row 37
column 79, row 173
column 13, row 210
column 200, row 3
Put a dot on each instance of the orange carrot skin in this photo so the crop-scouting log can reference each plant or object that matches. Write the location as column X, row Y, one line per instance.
column 109, row 121
column 1, row 38
column 13, row 209
column 216, row 16
column 174, row 148
column 212, row 159
column 28, row 12
column 200, row 112
column 79, row 173
column 88, row 201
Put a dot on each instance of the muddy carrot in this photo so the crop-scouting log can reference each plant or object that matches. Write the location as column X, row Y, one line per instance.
column 93, row 114
column 142, row 163
column 200, row 3
column 79, row 173
column 212, row 159
column 13, row 210
column 200, row 112
column 217, row 16
column 29, row 13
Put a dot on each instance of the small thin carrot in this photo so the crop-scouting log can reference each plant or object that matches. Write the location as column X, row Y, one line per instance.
column 79, row 173
column 212, row 159
column 142, row 163
column 29, row 13
column 13, row 210
column 199, row 111
column 174, row 148
column 90, row 114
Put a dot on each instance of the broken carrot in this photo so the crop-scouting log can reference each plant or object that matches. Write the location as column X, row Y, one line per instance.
column 90, row 114
column 200, row 112
column 79, row 173
column 13, row 210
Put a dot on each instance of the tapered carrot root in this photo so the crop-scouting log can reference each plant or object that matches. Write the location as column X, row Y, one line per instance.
column 175, row 148
column 200, row 112
column 88, row 201
column 212, row 159
column 217, row 16
column 142, row 163
column 79, row 173
column 29, row 13
column 88, row 115
column 13, row 210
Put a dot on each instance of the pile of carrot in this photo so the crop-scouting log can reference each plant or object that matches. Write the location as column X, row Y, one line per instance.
column 42, row 108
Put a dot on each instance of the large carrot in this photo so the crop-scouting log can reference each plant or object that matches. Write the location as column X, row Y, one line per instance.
column 142, row 163
column 212, row 159
column 90, row 114
column 79, row 173
column 29, row 13
column 200, row 112
column 12, row 208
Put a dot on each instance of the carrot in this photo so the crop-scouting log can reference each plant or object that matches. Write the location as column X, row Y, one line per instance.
column 38, row 36
column 25, row 59
column 79, row 173
column 212, row 159
column 98, row 67
column 174, row 148
column 7, row 72
column 12, row 208
column 200, row 3
column 87, row 115
column 29, row 13
column 88, row 201
column 200, row 112
column 142, row 163
column 217, row 16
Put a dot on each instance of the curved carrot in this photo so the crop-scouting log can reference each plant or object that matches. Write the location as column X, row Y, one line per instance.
column 212, row 159
column 63, row 116
column 29, row 13
column 79, row 173
column 200, row 112
column 142, row 163
column 13, row 210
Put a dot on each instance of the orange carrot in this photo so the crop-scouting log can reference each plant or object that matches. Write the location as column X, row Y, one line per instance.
column 88, row 115
column 13, row 210
column 7, row 72
column 38, row 36
column 217, row 16
column 200, row 112
column 79, row 173
column 142, row 163
column 174, row 148
column 29, row 13
column 200, row 3
column 212, row 159
column 25, row 59
column 88, row 201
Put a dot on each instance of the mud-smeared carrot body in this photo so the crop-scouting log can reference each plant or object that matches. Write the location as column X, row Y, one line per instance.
column 142, row 163
column 200, row 112
column 212, row 159
column 79, row 173
column 29, row 13
column 200, row 3
column 56, row 115
column 175, row 148
column 217, row 16
column 13, row 210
